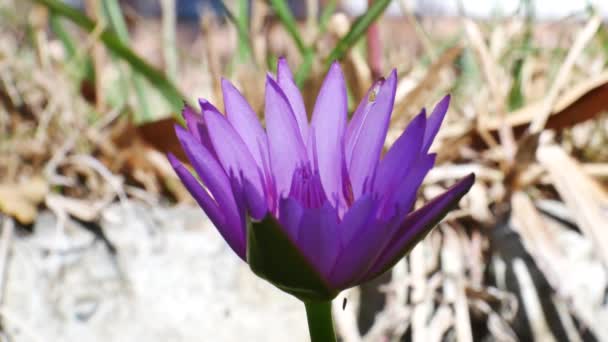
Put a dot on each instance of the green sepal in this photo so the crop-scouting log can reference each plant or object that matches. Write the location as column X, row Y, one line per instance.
column 272, row 255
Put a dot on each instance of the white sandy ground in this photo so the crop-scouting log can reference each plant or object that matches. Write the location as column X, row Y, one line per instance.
column 175, row 280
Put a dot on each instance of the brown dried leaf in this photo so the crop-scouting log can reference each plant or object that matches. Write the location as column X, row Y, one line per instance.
column 21, row 200
column 581, row 102
column 140, row 154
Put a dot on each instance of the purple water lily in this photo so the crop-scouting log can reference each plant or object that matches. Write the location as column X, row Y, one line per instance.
column 342, row 208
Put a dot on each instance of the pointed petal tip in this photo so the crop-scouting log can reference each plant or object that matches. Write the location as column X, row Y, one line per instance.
column 188, row 113
column 469, row 180
column 393, row 74
column 443, row 104
column 434, row 121
column 283, row 70
column 271, row 82
column 204, row 104
column 462, row 186
column 391, row 81
column 207, row 106
column 334, row 76
column 179, row 129
column 176, row 164
column 228, row 88
column 420, row 119
column 335, row 67
column 282, row 63
column 173, row 159
column 269, row 77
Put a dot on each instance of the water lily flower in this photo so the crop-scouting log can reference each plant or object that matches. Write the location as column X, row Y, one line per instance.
column 313, row 206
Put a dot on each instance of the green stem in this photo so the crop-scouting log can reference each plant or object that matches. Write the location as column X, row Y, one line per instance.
column 320, row 322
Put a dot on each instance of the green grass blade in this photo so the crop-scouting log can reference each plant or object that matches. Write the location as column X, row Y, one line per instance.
column 516, row 97
column 305, row 68
column 117, row 22
column 169, row 26
column 245, row 47
column 157, row 78
column 63, row 35
column 328, row 10
column 289, row 22
column 242, row 24
column 82, row 65
column 357, row 30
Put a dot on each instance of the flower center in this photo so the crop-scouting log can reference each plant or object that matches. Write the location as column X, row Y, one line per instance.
column 306, row 187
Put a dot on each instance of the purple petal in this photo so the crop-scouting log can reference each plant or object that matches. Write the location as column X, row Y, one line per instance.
column 233, row 237
column 213, row 176
column 328, row 125
column 399, row 159
column 244, row 121
column 434, row 122
column 313, row 230
column 196, row 126
column 361, row 236
column 417, row 224
column 289, row 87
column 248, row 200
column 290, row 214
column 368, row 142
column 255, row 202
column 405, row 195
column 232, row 151
column 306, row 187
column 207, row 106
column 354, row 126
column 400, row 200
column 193, row 120
column 347, row 186
column 287, row 151
column 355, row 218
column 318, row 237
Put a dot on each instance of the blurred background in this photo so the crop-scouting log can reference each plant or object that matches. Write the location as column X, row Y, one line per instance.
column 99, row 241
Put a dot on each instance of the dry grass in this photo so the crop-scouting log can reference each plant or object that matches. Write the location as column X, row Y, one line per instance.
column 514, row 262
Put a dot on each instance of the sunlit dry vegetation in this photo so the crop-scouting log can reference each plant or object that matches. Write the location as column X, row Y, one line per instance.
column 87, row 108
